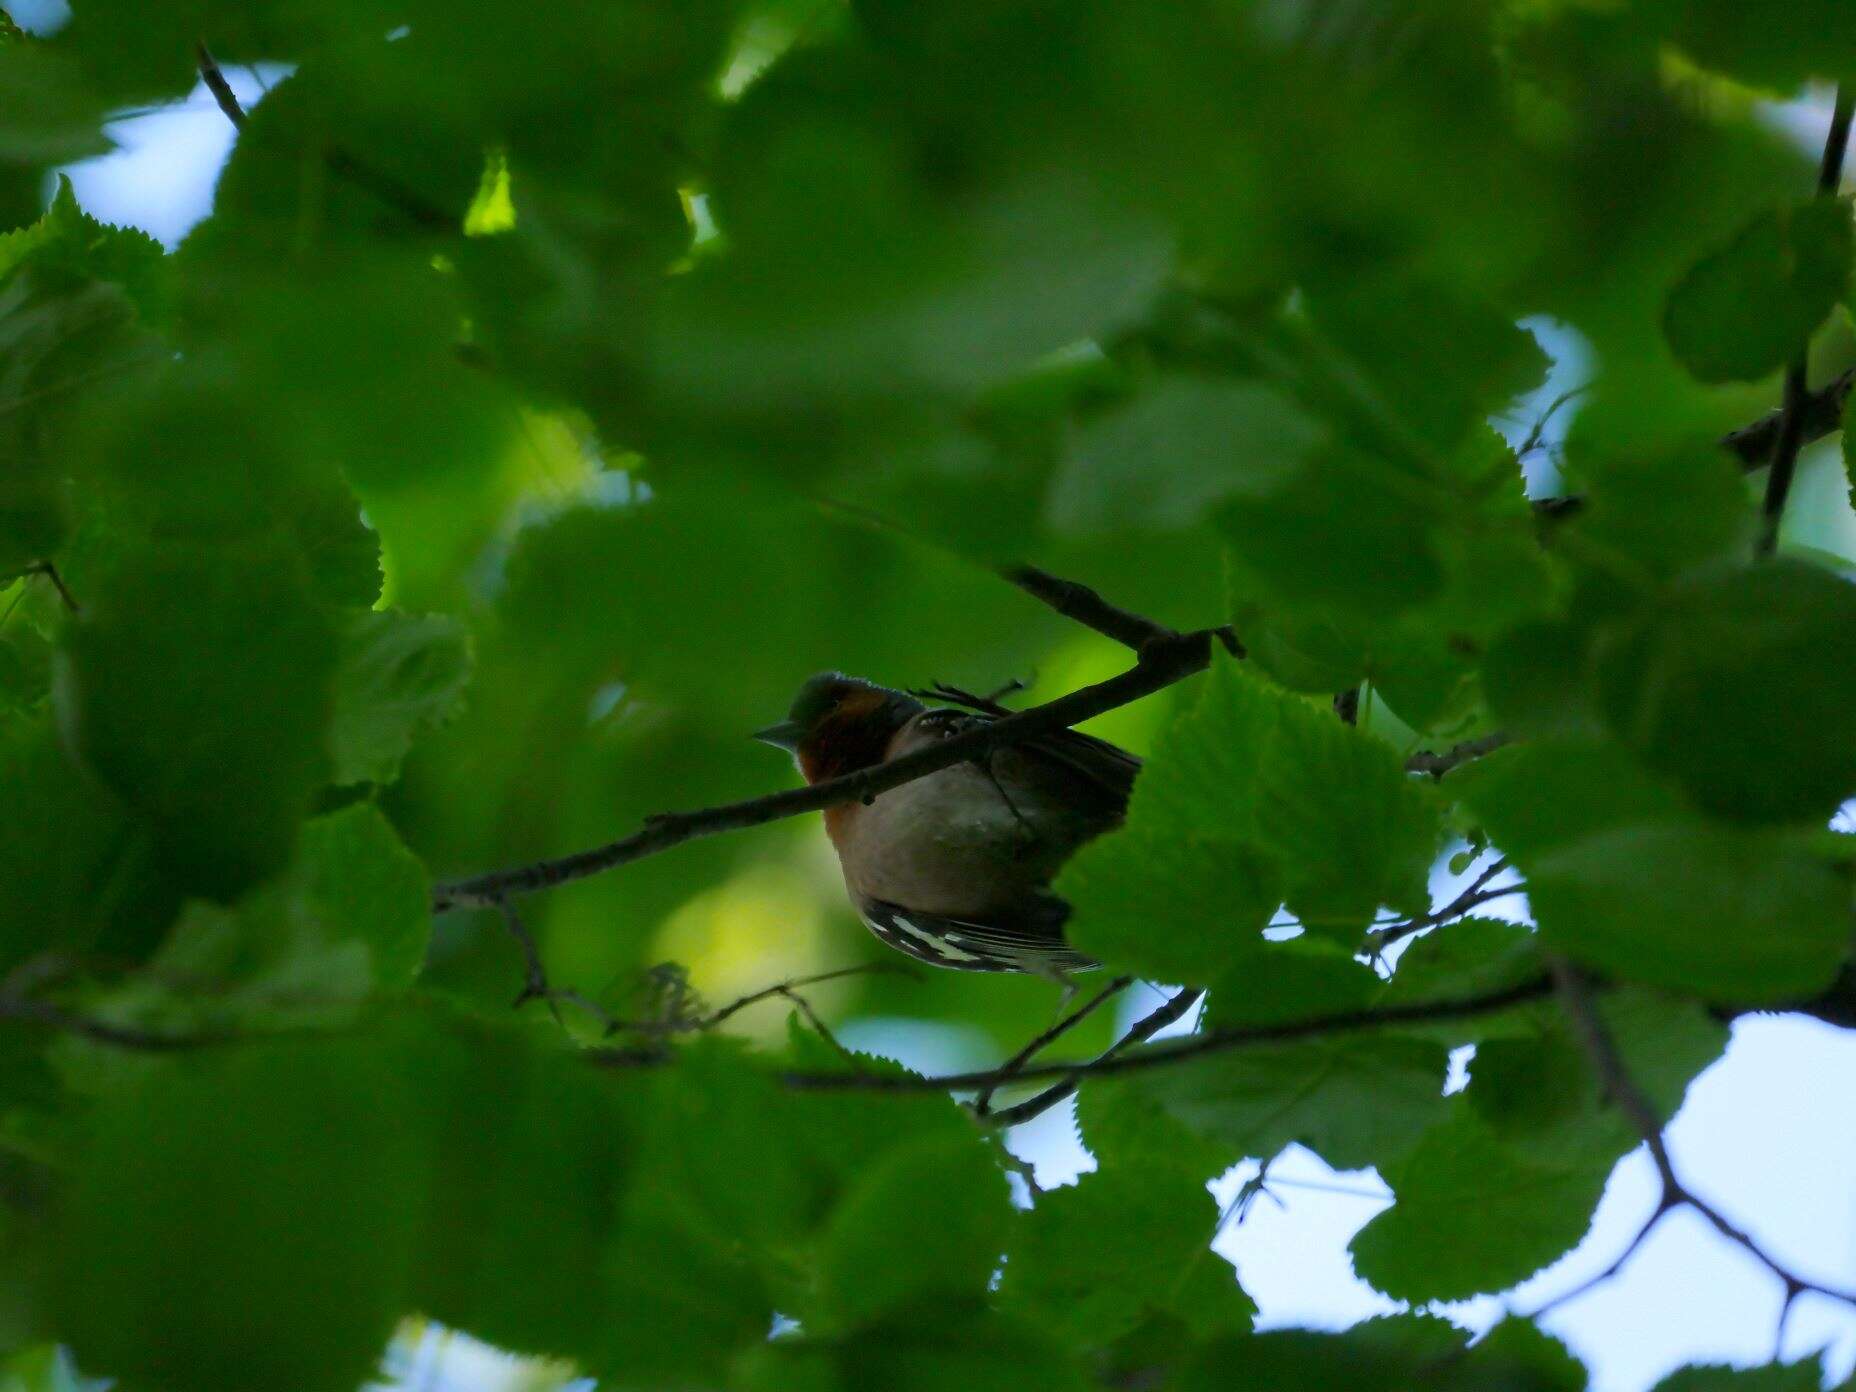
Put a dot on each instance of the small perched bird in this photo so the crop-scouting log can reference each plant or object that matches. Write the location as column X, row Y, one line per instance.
column 954, row 868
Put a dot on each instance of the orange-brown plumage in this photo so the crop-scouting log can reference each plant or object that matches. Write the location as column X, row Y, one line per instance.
column 954, row 868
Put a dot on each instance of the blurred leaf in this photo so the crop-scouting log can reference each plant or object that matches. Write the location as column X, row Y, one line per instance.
column 217, row 757
column 245, row 1217
column 1752, row 306
column 1180, row 447
column 1755, row 668
column 530, row 1160
column 1089, row 1260
column 1745, row 916
column 930, row 1348
column 1805, row 1375
column 80, row 872
column 926, row 1222
column 398, row 675
column 1389, row 1354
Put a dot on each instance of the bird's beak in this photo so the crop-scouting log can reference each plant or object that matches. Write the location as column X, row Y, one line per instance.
column 786, row 735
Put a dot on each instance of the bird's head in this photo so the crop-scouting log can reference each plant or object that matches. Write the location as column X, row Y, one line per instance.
column 839, row 724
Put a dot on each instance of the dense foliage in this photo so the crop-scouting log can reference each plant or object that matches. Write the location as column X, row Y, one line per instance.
column 554, row 386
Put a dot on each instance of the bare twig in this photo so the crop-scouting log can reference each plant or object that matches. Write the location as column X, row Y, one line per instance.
column 388, row 190
column 982, row 1105
column 1575, row 995
column 1475, row 893
column 1164, row 660
column 1144, row 1029
column 1437, row 765
column 1820, row 414
column 216, row 84
column 1797, row 374
column 784, row 988
column 50, row 572
column 1170, row 1052
column 39, row 1012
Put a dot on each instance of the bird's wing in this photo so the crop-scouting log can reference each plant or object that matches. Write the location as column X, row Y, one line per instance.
column 1101, row 773
column 1035, row 945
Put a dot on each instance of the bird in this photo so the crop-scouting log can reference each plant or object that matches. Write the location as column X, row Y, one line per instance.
column 954, row 868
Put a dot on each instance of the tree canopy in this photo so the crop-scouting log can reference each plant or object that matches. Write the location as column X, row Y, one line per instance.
column 391, row 572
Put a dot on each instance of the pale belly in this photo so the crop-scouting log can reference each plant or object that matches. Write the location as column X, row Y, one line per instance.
column 951, row 843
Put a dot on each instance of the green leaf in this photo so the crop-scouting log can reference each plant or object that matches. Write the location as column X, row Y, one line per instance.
column 1752, row 306
column 348, row 919
column 1183, row 445
column 930, row 1348
column 1754, row 668
column 1307, row 977
column 1751, row 917
column 1380, row 1355
column 398, row 676
column 75, row 246
column 1806, row 1375
column 245, row 1217
column 80, row 872
column 1474, row 1215
column 1247, row 790
column 531, row 1155
column 925, row 1223
column 1356, row 1100
column 217, row 757
column 1461, row 960
column 1539, row 796
column 1089, row 1261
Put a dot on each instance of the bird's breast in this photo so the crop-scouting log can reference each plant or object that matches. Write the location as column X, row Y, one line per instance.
column 955, row 842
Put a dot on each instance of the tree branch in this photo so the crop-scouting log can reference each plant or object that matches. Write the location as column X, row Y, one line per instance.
column 1477, row 892
column 1165, row 659
column 1174, row 1008
column 1437, row 765
column 1575, row 995
column 1198, row 1046
column 216, row 83
column 982, row 1105
column 1797, row 375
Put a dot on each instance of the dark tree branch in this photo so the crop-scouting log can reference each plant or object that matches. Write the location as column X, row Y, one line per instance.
column 786, row 988
column 216, row 84
column 1474, row 894
column 982, row 1105
column 1198, row 1046
column 1575, row 995
column 1820, row 414
column 1797, row 376
column 1174, row 1008
column 1437, row 765
column 363, row 176
column 1164, row 660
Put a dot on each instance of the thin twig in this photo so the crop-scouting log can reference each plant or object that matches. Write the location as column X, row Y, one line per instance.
column 823, row 1030
column 389, row 190
column 1163, row 662
column 982, row 1105
column 1575, row 995
column 107, row 1031
column 1820, row 415
column 1475, row 893
column 1797, row 374
column 1144, row 1029
column 1170, row 1052
column 216, row 84
column 781, row 988
column 1437, row 765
